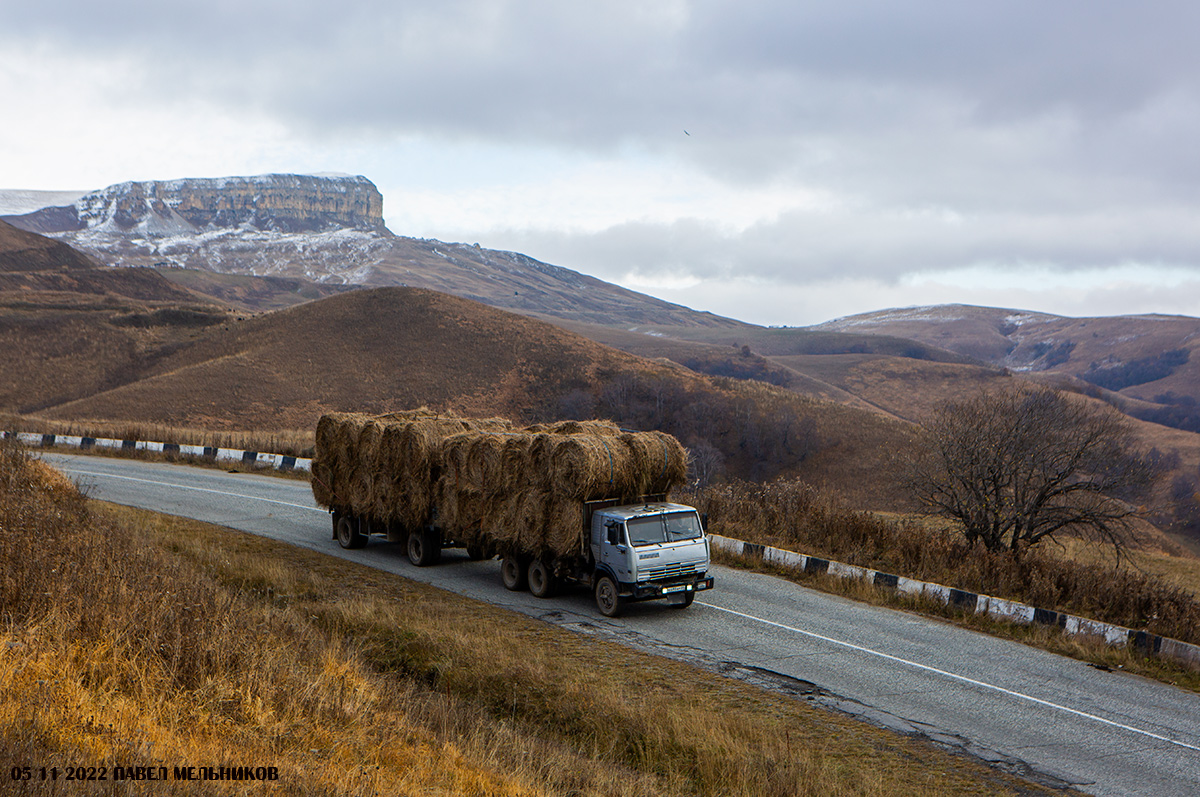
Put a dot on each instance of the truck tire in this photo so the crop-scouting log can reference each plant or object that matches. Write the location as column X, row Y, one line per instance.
column 542, row 582
column 683, row 602
column 346, row 529
column 424, row 547
column 608, row 597
column 513, row 573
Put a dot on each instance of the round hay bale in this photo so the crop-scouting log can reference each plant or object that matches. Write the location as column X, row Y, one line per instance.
column 583, row 466
column 539, row 467
column 484, row 462
column 516, row 465
column 595, row 427
column 528, row 523
column 323, row 461
column 667, row 465
column 564, row 527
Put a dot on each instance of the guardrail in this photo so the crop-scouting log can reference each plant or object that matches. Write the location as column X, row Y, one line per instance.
column 1117, row 636
column 257, row 459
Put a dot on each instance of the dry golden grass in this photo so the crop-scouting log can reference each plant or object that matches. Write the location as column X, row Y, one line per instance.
column 136, row 639
column 1178, row 567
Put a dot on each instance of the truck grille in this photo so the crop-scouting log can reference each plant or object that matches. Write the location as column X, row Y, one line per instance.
column 663, row 572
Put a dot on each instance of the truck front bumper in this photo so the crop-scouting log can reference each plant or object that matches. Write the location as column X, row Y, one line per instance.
column 646, row 591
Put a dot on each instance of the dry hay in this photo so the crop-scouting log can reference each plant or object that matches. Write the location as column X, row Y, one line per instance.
column 517, row 489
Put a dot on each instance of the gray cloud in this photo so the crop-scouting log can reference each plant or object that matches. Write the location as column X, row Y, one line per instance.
column 955, row 133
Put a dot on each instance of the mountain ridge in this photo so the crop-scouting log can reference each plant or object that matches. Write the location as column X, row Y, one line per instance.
column 187, row 224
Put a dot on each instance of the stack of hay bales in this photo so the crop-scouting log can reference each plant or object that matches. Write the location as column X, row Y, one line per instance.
column 484, row 482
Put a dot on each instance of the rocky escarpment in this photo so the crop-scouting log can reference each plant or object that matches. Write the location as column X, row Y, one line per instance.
column 325, row 229
column 274, row 202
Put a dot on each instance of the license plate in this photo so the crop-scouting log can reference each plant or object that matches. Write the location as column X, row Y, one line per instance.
column 671, row 590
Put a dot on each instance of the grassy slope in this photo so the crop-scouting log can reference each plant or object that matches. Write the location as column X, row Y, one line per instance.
column 373, row 351
column 174, row 642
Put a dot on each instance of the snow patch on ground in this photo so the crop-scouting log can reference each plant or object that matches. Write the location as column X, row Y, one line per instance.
column 939, row 313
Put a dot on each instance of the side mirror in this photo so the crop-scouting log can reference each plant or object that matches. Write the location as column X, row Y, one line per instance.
column 614, row 533
column 704, row 521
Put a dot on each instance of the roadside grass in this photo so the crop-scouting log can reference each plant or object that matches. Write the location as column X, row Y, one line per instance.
column 132, row 638
column 794, row 516
column 791, row 514
column 1180, row 569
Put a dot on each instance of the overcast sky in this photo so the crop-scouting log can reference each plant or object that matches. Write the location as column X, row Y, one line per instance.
column 782, row 162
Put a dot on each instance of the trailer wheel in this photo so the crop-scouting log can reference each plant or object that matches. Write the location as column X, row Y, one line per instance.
column 424, row 547
column 541, row 579
column 608, row 598
column 348, row 535
column 512, row 573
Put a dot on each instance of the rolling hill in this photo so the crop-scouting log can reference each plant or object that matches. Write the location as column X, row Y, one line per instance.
column 135, row 345
column 1141, row 356
column 194, row 348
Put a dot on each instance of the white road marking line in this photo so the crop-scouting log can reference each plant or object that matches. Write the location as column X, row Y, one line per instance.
column 955, row 677
column 195, row 489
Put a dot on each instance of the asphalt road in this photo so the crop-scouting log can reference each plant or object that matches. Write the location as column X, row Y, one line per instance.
column 1053, row 719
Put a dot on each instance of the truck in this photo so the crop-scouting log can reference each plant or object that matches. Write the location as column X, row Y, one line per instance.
column 577, row 504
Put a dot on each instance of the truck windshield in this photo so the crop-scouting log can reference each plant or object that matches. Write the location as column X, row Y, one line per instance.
column 668, row 527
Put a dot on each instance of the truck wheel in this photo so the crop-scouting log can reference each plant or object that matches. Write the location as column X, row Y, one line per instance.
column 541, row 579
column 424, row 548
column 608, row 598
column 512, row 573
column 684, row 602
column 348, row 535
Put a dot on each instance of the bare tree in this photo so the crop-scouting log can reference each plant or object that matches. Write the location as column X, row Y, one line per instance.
column 706, row 463
column 1020, row 466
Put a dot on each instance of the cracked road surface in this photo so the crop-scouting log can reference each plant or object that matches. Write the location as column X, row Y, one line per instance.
column 1048, row 718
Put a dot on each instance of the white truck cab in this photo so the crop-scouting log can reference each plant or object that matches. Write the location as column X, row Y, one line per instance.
column 646, row 551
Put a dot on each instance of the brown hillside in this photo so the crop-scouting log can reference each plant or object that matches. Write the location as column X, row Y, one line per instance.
column 1113, row 351
column 71, row 330
column 714, row 358
column 396, row 348
column 902, row 387
column 27, row 251
column 250, row 294
column 370, row 350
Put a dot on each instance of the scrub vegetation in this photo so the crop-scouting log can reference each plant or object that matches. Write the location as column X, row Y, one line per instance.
column 795, row 516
